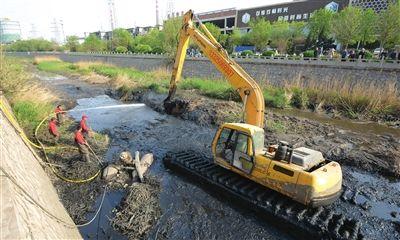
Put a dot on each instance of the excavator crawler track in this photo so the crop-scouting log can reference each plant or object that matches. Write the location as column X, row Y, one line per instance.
column 310, row 223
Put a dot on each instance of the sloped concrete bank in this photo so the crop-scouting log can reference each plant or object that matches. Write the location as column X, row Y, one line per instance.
column 30, row 207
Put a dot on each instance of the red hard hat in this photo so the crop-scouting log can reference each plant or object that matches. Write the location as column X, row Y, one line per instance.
column 84, row 116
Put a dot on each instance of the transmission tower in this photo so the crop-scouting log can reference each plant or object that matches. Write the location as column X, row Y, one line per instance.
column 33, row 32
column 62, row 30
column 170, row 8
column 111, row 9
column 55, row 30
column 157, row 15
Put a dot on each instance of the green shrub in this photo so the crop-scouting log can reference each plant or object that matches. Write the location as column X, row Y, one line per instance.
column 158, row 88
column 275, row 97
column 54, row 66
column 368, row 55
column 73, row 67
column 143, row 48
column 29, row 114
column 247, row 53
column 157, row 50
column 299, row 98
column 121, row 49
column 211, row 88
column 104, row 70
column 308, row 53
column 123, row 90
column 268, row 53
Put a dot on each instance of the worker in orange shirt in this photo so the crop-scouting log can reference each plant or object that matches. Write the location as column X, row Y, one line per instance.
column 84, row 126
column 53, row 129
column 82, row 144
column 59, row 114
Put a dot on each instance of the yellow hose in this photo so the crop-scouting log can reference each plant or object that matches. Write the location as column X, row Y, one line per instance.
column 21, row 132
column 41, row 146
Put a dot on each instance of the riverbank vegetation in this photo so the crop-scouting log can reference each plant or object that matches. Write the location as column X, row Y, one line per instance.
column 356, row 100
column 18, row 87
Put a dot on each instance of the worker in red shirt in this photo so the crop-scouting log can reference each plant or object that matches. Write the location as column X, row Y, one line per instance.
column 59, row 114
column 82, row 144
column 83, row 125
column 53, row 129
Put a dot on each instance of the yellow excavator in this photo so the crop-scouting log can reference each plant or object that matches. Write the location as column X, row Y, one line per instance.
column 302, row 174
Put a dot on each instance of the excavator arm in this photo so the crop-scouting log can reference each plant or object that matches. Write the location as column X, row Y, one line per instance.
column 247, row 87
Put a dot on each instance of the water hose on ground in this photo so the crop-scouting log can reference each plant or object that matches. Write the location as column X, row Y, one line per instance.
column 15, row 125
column 41, row 146
column 53, row 169
column 21, row 132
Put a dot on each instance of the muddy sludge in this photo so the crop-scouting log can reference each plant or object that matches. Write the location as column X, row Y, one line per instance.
column 139, row 210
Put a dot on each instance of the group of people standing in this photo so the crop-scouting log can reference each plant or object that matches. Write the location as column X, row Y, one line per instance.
column 81, row 133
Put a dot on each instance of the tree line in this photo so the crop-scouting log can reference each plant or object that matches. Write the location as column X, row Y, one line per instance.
column 352, row 26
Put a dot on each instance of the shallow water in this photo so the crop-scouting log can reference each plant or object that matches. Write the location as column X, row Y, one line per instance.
column 106, row 113
column 100, row 228
column 376, row 207
column 345, row 124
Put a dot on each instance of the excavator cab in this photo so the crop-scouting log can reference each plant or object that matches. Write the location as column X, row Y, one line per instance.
column 235, row 146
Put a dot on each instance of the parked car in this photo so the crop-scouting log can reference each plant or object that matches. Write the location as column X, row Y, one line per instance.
column 377, row 52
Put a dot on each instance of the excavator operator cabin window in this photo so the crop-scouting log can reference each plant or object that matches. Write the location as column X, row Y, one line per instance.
column 224, row 141
column 241, row 143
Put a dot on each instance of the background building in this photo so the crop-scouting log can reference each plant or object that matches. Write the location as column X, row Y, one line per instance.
column 292, row 11
column 225, row 19
column 10, row 31
column 297, row 10
column 377, row 5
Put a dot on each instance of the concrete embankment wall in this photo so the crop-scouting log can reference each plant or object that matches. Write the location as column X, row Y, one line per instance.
column 24, row 189
column 272, row 71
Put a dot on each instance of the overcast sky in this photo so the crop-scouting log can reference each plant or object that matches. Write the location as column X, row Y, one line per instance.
column 81, row 16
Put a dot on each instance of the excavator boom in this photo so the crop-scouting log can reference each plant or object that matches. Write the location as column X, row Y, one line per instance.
column 248, row 89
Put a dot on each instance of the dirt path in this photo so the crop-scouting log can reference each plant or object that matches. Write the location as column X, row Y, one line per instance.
column 190, row 212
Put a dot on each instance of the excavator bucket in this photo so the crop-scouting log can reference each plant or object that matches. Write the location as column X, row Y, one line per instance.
column 175, row 107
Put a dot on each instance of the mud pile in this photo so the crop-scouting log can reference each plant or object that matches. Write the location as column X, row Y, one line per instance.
column 139, row 210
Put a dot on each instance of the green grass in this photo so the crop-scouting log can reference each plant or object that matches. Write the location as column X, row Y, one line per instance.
column 61, row 67
column 276, row 126
column 113, row 72
column 211, row 88
column 275, row 97
column 29, row 114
